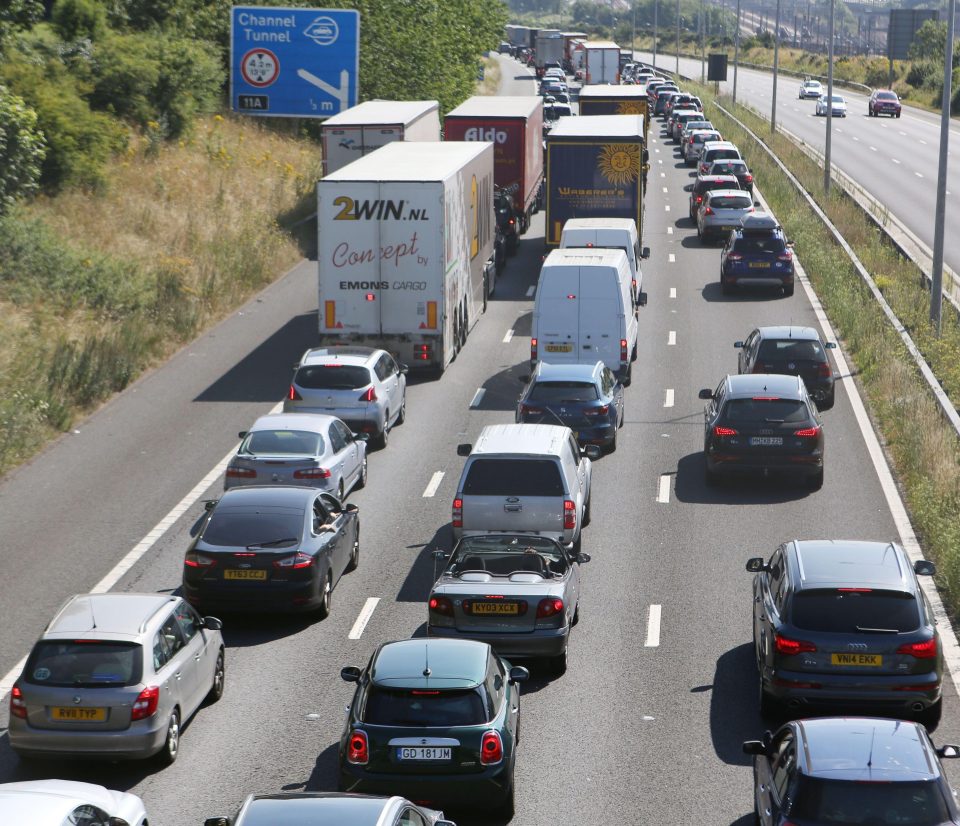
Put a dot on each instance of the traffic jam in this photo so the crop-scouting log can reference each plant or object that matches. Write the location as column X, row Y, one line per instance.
column 419, row 215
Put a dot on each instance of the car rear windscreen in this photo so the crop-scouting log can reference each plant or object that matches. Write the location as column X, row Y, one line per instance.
column 546, row 392
column 790, row 350
column 282, row 442
column 722, row 154
column 513, row 477
column 84, row 663
column 906, row 803
column 756, row 411
column 855, row 611
column 730, row 202
column 410, row 707
column 231, row 527
column 332, row 377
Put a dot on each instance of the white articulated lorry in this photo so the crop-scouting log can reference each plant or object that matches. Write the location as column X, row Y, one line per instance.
column 404, row 235
column 372, row 124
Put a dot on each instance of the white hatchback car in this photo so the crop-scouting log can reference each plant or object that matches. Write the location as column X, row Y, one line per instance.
column 362, row 386
column 839, row 106
column 308, row 449
column 810, row 89
column 59, row 802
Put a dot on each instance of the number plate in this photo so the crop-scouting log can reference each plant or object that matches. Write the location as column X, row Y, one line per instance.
column 234, row 573
column 79, row 715
column 559, row 348
column 499, row 608
column 760, row 265
column 424, row 753
column 856, row 659
column 766, row 441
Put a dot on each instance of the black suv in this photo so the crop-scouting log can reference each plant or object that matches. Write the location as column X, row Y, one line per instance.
column 757, row 255
column 838, row 622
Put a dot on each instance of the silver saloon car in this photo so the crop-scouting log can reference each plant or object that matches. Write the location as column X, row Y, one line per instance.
column 304, row 449
column 518, row 593
column 115, row 676
column 722, row 210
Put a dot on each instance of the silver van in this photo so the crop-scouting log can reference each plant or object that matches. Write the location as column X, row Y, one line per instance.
column 116, row 676
column 525, row 478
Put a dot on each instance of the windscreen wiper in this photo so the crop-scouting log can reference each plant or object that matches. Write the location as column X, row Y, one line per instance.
column 877, row 630
column 273, row 543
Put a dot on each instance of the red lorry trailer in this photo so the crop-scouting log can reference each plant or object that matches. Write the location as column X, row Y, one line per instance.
column 514, row 125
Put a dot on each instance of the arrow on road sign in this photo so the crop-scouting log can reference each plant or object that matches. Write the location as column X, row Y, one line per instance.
column 342, row 94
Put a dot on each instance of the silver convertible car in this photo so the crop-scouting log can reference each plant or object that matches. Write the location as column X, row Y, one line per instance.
column 516, row 592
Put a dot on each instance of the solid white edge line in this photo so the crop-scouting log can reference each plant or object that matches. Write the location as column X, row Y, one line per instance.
column 672, row 338
column 478, row 397
column 433, row 484
column 653, row 627
column 663, row 490
column 508, row 336
column 363, row 618
column 668, row 398
column 144, row 545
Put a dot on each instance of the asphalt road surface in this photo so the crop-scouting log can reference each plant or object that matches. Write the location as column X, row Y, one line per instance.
column 645, row 727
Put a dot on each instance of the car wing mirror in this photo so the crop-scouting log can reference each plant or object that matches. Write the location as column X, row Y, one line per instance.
column 403, row 368
column 756, row 203
column 210, row 504
column 212, row 624
column 350, row 674
column 361, row 437
column 754, row 747
column 592, row 452
column 688, row 188
column 242, row 434
column 519, row 674
column 464, row 449
column 738, row 344
column 831, row 345
column 582, row 558
column 439, row 554
column 706, row 393
column 949, row 750
column 756, row 564
column 217, row 821
column 641, row 299
column 924, row 567
column 442, row 822
column 351, row 508
column 645, row 252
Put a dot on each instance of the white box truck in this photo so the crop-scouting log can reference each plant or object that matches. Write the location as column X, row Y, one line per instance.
column 404, row 235
column 368, row 126
column 601, row 62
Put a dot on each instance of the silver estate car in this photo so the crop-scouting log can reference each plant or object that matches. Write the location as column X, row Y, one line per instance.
column 362, row 386
column 518, row 593
column 115, row 676
column 303, row 449
column 721, row 212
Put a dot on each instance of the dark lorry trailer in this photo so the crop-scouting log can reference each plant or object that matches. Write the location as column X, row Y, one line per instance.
column 514, row 125
column 607, row 99
column 594, row 170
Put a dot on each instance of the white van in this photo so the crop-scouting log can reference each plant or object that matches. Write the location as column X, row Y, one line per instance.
column 609, row 233
column 584, row 311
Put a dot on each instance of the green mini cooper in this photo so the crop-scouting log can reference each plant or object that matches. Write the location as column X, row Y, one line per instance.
column 435, row 720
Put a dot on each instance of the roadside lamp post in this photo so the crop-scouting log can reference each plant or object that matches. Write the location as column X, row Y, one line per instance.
column 826, row 154
column 776, row 69
column 656, row 6
column 678, row 38
column 736, row 53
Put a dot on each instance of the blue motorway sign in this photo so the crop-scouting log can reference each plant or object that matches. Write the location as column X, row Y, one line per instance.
column 293, row 62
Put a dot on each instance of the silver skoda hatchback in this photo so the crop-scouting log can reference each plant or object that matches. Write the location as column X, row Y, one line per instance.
column 115, row 676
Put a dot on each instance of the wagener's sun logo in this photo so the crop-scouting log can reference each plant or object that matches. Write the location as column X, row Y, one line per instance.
column 619, row 163
column 630, row 107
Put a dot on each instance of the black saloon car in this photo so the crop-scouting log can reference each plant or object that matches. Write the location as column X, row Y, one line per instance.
column 839, row 622
column 793, row 351
column 759, row 423
column 271, row 549
column 840, row 770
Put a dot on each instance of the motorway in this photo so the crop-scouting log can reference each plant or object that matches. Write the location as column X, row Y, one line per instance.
column 646, row 725
column 894, row 159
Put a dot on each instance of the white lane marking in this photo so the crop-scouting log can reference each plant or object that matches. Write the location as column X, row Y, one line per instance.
column 671, row 338
column 666, row 207
column 508, row 336
column 924, row 143
column 895, row 160
column 478, row 397
column 363, row 618
column 653, row 627
column 668, row 398
column 839, row 131
column 671, row 258
column 434, row 483
column 905, row 134
column 531, row 291
column 663, row 490
column 669, row 230
column 948, row 639
column 663, row 175
column 656, row 150
column 659, row 160
column 665, row 189
column 144, row 545
column 673, row 292
column 856, row 138
column 918, row 174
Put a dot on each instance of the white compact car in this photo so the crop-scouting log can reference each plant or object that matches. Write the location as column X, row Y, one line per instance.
column 66, row 802
column 839, row 106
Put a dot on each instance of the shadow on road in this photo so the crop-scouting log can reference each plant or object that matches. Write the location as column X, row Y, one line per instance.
column 503, row 389
column 749, row 490
column 423, row 569
column 734, row 711
column 325, row 774
column 712, row 293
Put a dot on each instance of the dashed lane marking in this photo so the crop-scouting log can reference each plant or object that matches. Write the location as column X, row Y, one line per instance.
column 653, row 627
column 673, row 292
column 666, row 207
column 508, row 336
column 672, row 338
column 363, row 618
column 477, row 398
column 669, row 230
column 663, row 490
column 895, row 161
column 671, row 258
column 668, row 398
column 431, row 488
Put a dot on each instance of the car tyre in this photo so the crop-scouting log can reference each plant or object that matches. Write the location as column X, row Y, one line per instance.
column 612, row 447
column 402, row 415
column 725, row 288
column 340, row 490
column 384, row 437
column 558, row 664
column 628, row 378
column 171, row 744
column 828, row 401
column 586, row 512
column 362, row 479
column 219, row 676
column 816, row 482
column 788, row 290
column 354, row 560
column 326, row 600
column 770, row 708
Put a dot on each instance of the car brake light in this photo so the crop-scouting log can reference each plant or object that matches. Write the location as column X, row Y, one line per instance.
column 241, row 473
column 196, row 560
column 297, row 561
column 691, row 139
column 624, row 355
column 526, row 409
column 708, row 211
column 457, row 513
column 807, row 432
column 720, row 430
column 146, row 703
column 421, row 352
column 512, row 222
column 785, row 256
column 734, row 256
column 788, row 647
column 597, row 411
column 533, row 349
column 569, row 515
column 491, row 748
column 441, row 605
column 370, row 395
column 358, row 751
column 18, row 708
column 699, row 199
column 824, row 371
column 549, row 607
column 293, row 395
column 312, row 473
column 921, row 650
column 748, row 178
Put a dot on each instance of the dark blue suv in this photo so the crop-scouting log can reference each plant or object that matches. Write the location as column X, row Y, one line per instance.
column 757, row 254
